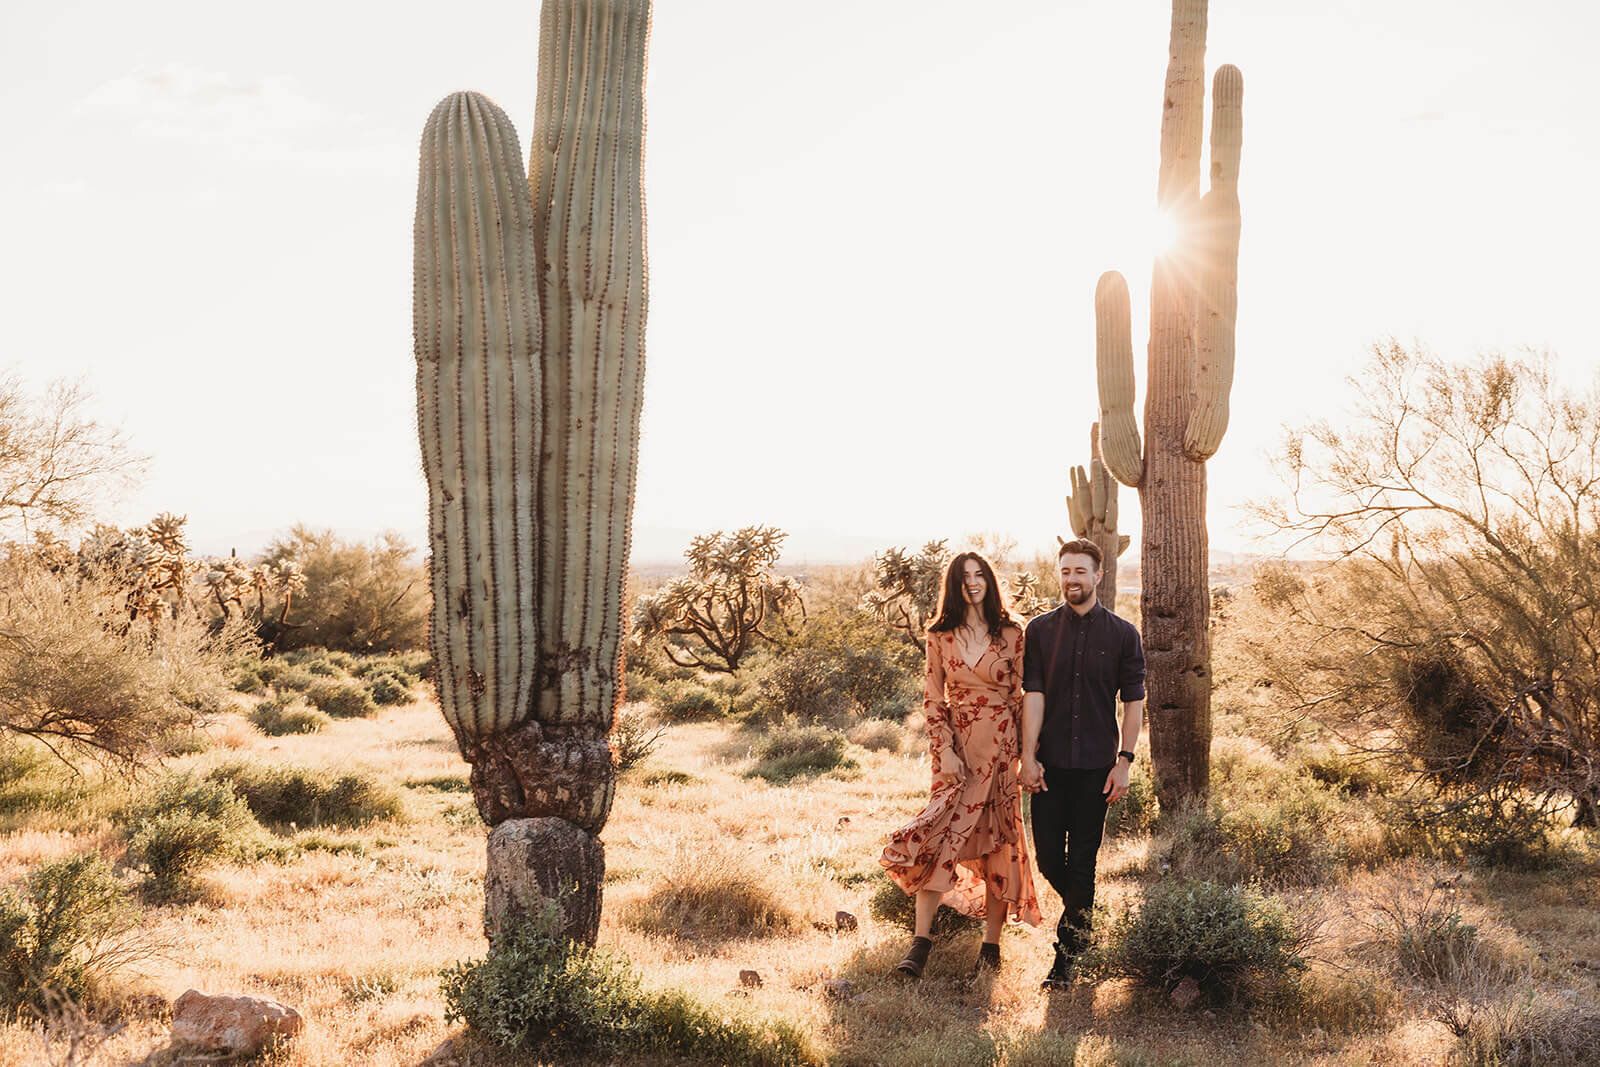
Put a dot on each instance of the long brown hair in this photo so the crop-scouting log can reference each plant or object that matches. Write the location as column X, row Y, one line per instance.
column 953, row 603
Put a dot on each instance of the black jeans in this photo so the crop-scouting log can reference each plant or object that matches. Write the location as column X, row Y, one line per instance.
column 1069, row 819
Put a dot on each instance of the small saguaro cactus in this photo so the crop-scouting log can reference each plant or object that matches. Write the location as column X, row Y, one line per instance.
column 529, row 335
column 1092, row 510
column 1193, row 308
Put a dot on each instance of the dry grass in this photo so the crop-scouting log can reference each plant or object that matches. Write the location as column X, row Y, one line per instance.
column 711, row 872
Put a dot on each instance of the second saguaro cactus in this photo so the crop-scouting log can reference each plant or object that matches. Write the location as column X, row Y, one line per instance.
column 1193, row 309
column 529, row 313
column 1092, row 510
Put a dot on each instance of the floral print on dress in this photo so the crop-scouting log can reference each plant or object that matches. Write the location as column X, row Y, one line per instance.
column 970, row 833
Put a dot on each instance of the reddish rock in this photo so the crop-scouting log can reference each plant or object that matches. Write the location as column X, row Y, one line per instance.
column 1187, row 992
column 231, row 1024
column 844, row 922
column 750, row 978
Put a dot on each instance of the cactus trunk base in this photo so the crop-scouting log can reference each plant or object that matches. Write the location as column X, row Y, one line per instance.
column 532, row 858
column 537, row 771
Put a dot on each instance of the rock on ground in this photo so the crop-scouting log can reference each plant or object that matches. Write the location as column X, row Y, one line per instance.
column 231, row 1024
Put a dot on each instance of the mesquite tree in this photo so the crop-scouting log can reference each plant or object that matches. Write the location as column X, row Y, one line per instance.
column 1092, row 510
column 1193, row 305
column 529, row 311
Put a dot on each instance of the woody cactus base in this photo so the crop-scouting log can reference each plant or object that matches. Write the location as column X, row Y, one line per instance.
column 529, row 311
column 1193, row 309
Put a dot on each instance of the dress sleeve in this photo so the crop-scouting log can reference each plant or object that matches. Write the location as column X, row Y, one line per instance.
column 1015, row 652
column 934, row 708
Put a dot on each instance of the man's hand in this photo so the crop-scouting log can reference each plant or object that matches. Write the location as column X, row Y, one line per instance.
column 1033, row 776
column 1117, row 782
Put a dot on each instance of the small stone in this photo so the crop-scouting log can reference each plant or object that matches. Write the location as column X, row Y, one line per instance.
column 443, row 1056
column 844, row 921
column 231, row 1024
column 844, row 820
column 750, row 979
column 1187, row 992
column 838, row 989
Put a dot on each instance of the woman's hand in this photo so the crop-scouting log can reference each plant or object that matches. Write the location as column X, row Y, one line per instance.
column 951, row 769
column 1032, row 775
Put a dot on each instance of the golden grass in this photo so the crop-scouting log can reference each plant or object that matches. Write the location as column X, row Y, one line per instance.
column 353, row 930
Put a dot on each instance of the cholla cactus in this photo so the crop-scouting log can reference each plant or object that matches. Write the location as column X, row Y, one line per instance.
column 1193, row 309
column 529, row 338
column 1092, row 510
column 724, row 602
column 907, row 593
column 1027, row 595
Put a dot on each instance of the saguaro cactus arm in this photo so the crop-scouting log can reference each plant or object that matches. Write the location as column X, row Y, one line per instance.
column 476, row 338
column 1218, row 309
column 1119, row 427
column 585, row 169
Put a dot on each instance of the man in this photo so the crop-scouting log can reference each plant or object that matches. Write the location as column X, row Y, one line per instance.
column 1075, row 760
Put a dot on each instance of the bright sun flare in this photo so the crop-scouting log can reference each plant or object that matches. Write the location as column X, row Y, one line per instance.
column 1162, row 234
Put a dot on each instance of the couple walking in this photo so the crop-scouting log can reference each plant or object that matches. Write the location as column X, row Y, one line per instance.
column 1009, row 711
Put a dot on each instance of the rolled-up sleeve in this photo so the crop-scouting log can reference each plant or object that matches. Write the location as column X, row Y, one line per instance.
column 1132, row 672
column 1032, row 659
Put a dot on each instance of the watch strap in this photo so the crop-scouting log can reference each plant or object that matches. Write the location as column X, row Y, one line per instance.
column 1126, row 753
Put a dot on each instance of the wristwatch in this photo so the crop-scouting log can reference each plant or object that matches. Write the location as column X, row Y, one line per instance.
column 1125, row 754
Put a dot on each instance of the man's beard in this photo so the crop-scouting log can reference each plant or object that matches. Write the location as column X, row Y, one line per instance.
column 1079, row 594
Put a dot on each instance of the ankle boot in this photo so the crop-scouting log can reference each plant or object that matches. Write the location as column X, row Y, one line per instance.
column 916, row 957
column 988, row 958
column 1060, row 976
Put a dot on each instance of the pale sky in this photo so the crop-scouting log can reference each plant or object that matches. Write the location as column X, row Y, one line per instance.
column 875, row 230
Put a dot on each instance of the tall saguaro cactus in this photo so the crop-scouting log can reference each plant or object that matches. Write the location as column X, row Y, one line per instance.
column 529, row 311
column 1092, row 510
column 1193, row 307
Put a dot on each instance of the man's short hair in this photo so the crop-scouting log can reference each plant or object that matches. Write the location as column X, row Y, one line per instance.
column 1081, row 547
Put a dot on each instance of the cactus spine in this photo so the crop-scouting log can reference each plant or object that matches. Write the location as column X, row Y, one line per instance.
column 1193, row 308
column 529, row 335
column 1092, row 510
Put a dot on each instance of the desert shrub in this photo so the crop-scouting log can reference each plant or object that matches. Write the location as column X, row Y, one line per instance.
column 633, row 737
column 712, row 891
column 1347, row 772
column 842, row 665
column 287, row 678
column 280, row 715
column 1529, row 1030
column 282, row 795
column 892, row 905
column 183, row 826
column 791, row 750
column 67, row 926
column 1290, row 841
column 539, row 995
column 877, row 735
column 342, row 699
column 669, row 776
column 403, row 668
column 359, row 597
column 387, row 689
column 1419, row 932
column 249, row 679
column 443, row 783
column 1501, row 828
column 1237, row 943
column 683, row 699
column 75, row 674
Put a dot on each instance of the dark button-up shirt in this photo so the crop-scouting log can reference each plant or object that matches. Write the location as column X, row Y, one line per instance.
column 1081, row 663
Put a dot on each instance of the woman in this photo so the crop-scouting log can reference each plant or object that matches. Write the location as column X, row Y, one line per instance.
column 966, row 848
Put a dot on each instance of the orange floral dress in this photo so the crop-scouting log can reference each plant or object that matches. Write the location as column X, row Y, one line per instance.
column 970, row 834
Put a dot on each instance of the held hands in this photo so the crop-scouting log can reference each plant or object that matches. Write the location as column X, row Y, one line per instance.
column 1117, row 782
column 1032, row 775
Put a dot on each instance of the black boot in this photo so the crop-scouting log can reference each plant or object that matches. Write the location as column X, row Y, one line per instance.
column 916, row 958
column 1060, row 976
column 988, row 958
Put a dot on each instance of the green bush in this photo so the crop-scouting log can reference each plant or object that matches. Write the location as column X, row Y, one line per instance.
column 1350, row 775
column 281, row 795
column 1237, row 943
column 182, row 827
column 538, row 994
column 249, row 679
column 1135, row 814
column 65, row 927
column 388, row 689
column 280, row 715
column 1500, row 828
column 1293, row 840
column 791, row 750
column 285, row 677
column 839, row 666
column 683, row 699
column 343, row 700
column 403, row 668
column 891, row 904
column 359, row 597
